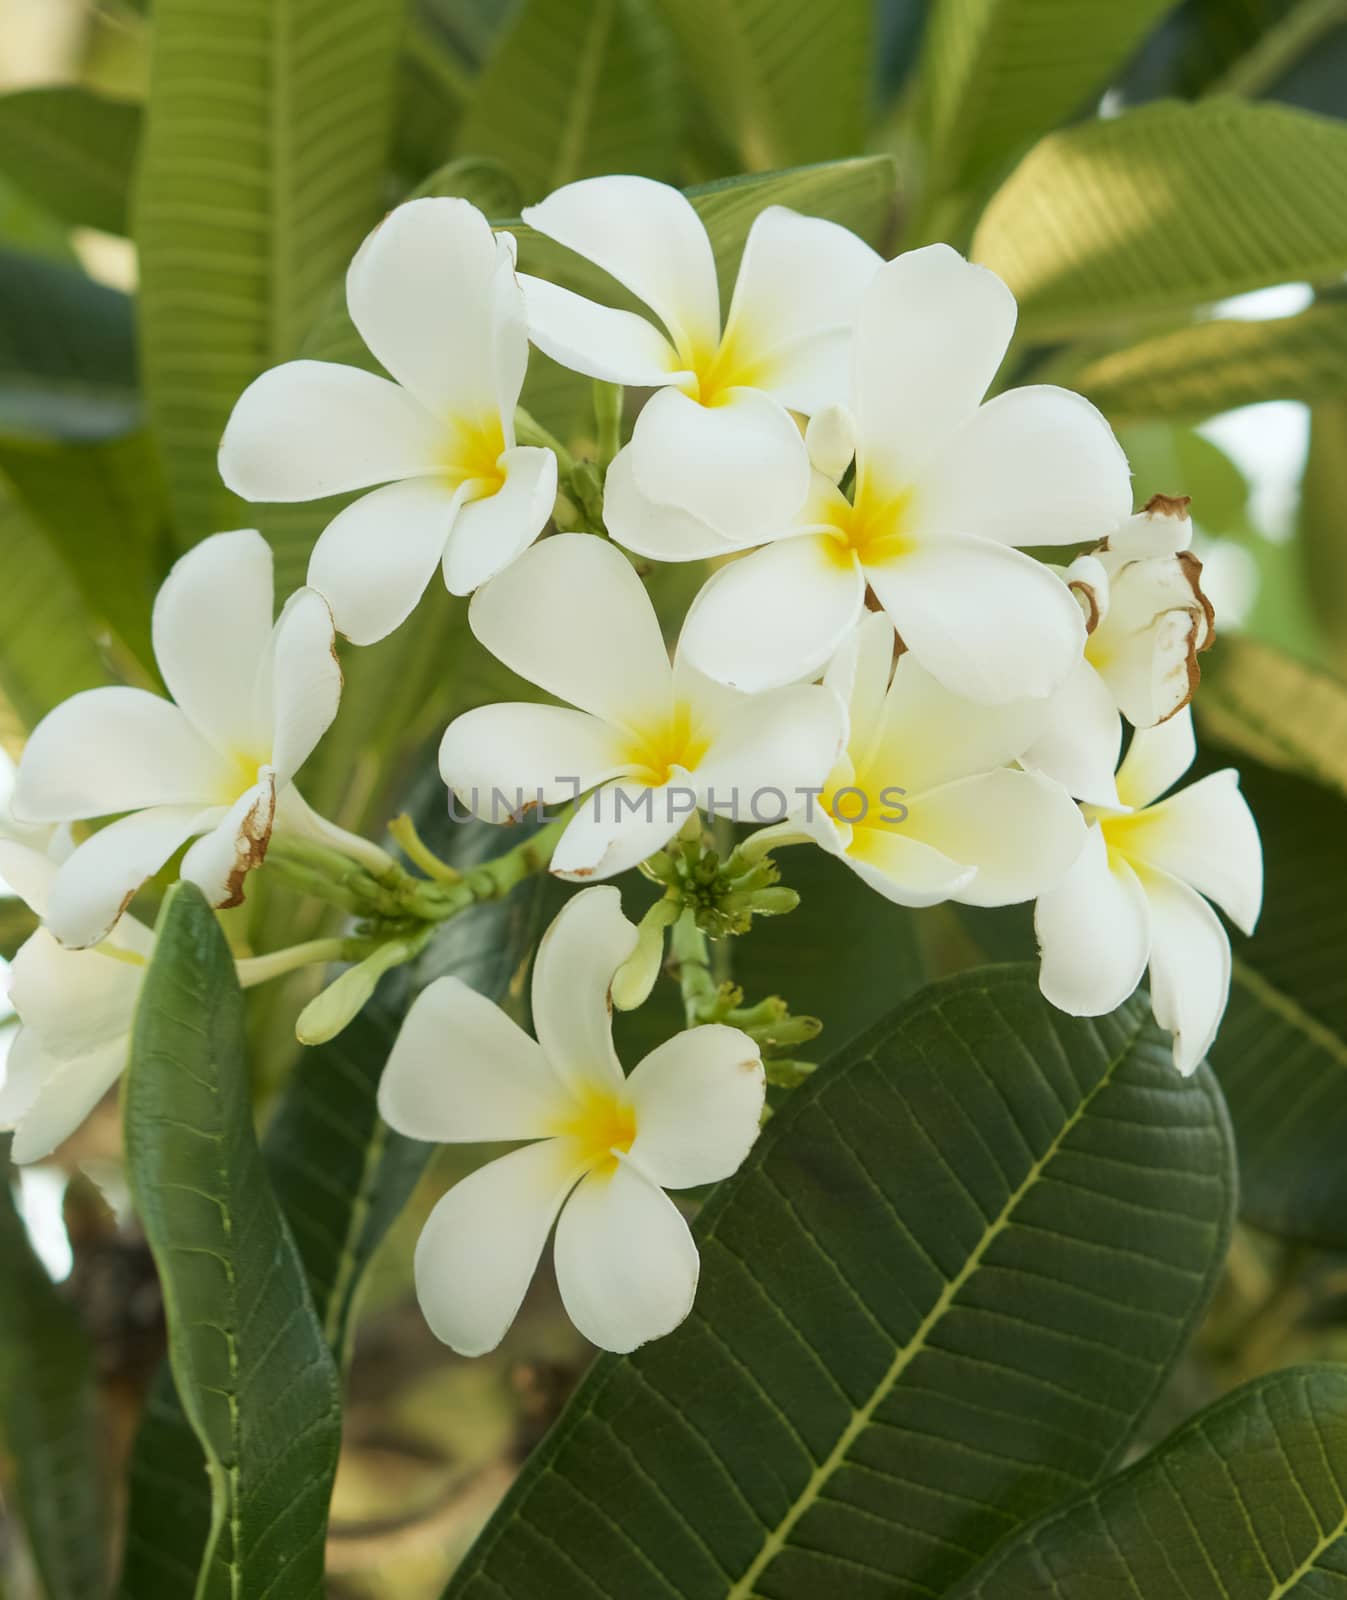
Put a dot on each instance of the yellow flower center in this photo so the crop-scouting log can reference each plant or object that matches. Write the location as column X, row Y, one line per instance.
column 240, row 773
column 472, row 455
column 873, row 529
column 654, row 751
column 720, row 368
column 1121, row 832
column 603, row 1124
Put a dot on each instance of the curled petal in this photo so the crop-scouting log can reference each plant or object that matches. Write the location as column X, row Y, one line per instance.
column 28, row 873
column 303, row 685
column 626, row 1265
column 617, row 346
column 488, row 534
column 1147, row 644
column 222, row 858
column 1156, row 759
column 698, row 1100
column 572, row 976
column 461, row 1070
column 647, row 528
column 1189, row 967
column 619, row 825
column 481, row 1243
column 1094, row 933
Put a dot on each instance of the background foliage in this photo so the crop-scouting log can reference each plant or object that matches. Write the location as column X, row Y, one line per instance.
column 985, row 1258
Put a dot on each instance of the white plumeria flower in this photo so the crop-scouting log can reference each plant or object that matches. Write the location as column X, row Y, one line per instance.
column 923, row 806
column 717, row 440
column 1135, row 895
column 433, row 294
column 654, row 742
column 250, row 702
column 1147, row 621
column 945, row 486
column 75, row 1012
column 606, row 1146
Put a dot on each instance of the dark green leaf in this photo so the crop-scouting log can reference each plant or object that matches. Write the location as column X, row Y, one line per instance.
column 1323, row 518
column 72, row 150
column 1167, row 208
column 256, row 1378
column 261, row 170
column 67, row 353
column 49, row 1424
column 1245, row 1502
column 576, row 88
column 937, row 1298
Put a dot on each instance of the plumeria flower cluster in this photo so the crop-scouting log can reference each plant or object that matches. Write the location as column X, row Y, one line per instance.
column 876, row 667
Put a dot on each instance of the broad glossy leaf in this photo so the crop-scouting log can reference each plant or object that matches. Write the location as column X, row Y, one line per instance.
column 50, row 1430
column 1245, row 1502
column 67, row 353
column 1322, row 533
column 935, row 1301
column 1281, row 1054
column 1219, row 364
column 1167, row 208
column 261, row 172
column 576, row 88
column 996, row 74
column 47, row 648
column 256, row 1377
column 1281, row 711
column 72, row 150
column 783, row 81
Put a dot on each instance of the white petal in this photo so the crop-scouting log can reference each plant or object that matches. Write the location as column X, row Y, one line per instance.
column 314, row 428
column 303, row 686
column 59, row 1093
column 626, row 1264
column 698, row 1100
column 859, row 675
column 422, row 293
column 481, row 1244
column 648, row 237
column 110, row 750
column 1162, row 528
column 987, row 621
column 1189, row 969
column 1034, row 466
column 374, row 559
column 572, row 975
column 1094, row 933
column 1079, row 745
column 786, row 739
column 220, row 860
column 740, row 465
column 795, row 304
column 933, row 329
column 617, row 346
column 1156, row 759
column 500, row 759
column 660, row 532
column 212, row 626
column 830, row 440
column 775, row 616
column 619, row 825
column 572, row 616
column 926, row 735
column 1020, row 831
column 77, row 1001
column 1146, row 645
column 93, row 886
column 460, row 1070
column 488, row 534
column 1205, row 836
column 28, row 874
column 904, row 869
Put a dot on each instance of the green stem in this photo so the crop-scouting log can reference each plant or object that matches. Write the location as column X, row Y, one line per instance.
column 253, row 970
column 415, row 848
column 692, row 962
column 528, row 430
column 608, row 421
column 492, row 880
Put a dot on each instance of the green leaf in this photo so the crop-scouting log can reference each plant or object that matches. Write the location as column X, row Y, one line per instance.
column 997, row 74
column 1281, row 1054
column 261, row 171
column 1323, row 519
column 67, row 353
column 784, row 81
column 47, row 649
column 256, row 1378
column 948, row 1280
column 17, row 922
column 50, row 1430
column 1217, row 365
column 576, row 88
column 1278, row 710
column 72, row 150
column 102, row 506
column 1245, row 1502
column 1165, row 209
